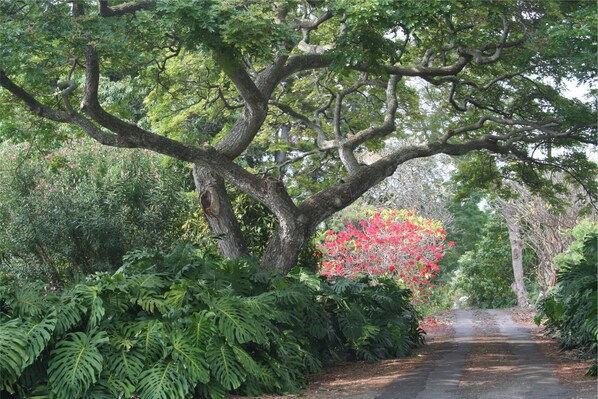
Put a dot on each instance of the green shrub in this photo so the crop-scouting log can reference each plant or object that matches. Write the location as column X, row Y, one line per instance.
column 80, row 208
column 570, row 312
column 485, row 274
column 168, row 325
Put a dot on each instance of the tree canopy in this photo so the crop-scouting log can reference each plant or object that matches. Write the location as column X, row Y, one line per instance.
column 290, row 101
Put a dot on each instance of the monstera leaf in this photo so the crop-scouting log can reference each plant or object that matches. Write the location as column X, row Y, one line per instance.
column 13, row 351
column 224, row 363
column 162, row 381
column 76, row 363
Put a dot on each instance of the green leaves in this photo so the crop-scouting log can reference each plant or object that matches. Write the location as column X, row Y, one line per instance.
column 232, row 26
column 236, row 322
column 570, row 312
column 190, row 357
column 39, row 334
column 162, row 381
column 76, row 363
column 13, row 351
column 224, row 364
column 215, row 332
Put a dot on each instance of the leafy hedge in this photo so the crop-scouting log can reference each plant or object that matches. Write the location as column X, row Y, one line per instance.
column 186, row 323
column 79, row 208
column 570, row 312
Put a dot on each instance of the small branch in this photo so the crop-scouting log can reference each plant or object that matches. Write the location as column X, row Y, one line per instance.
column 389, row 118
column 104, row 10
column 265, row 172
column 322, row 143
column 478, row 54
column 310, row 25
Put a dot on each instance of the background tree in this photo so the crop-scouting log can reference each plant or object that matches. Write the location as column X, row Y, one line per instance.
column 485, row 274
column 513, row 223
column 420, row 185
column 221, row 80
column 545, row 225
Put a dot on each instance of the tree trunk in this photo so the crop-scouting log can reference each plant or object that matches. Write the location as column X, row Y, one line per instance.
column 517, row 255
column 219, row 214
column 285, row 246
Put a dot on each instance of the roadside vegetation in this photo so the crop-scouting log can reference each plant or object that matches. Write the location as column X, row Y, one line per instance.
column 206, row 197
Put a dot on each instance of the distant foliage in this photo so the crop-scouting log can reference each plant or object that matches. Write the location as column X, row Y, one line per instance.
column 570, row 312
column 397, row 244
column 80, row 208
column 185, row 322
column 485, row 274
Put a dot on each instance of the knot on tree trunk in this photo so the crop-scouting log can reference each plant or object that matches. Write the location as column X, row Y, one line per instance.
column 210, row 202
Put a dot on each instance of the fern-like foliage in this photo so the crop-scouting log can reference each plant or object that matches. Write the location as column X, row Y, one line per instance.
column 122, row 369
column 235, row 320
column 189, row 357
column 68, row 314
column 39, row 334
column 185, row 323
column 27, row 301
column 570, row 312
column 89, row 296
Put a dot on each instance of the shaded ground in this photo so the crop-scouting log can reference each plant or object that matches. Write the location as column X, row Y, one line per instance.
column 470, row 354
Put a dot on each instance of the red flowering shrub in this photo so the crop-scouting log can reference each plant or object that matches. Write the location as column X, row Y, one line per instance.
column 398, row 244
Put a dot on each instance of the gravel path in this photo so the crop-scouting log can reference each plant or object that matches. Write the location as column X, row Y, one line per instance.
column 491, row 357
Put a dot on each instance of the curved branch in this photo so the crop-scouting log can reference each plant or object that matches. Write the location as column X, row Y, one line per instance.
column 91, row 105
column 387, row 126
column 312, row 25
column 256, row 105
column 478, row 54
column 322, row 143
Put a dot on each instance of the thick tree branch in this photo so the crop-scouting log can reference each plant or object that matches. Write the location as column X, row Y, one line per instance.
column 91, row 105
column 256, row 105
column 342, row 194
column 35, row 106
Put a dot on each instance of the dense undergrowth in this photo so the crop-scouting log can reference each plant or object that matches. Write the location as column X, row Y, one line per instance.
column 186, row 323
column 570, row 312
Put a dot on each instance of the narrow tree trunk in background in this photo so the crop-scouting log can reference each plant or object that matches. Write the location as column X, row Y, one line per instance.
column 218, row 211
column 517, row 255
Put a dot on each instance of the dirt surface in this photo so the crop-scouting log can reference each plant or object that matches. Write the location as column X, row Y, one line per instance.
column 470, row 354
column 569, row 366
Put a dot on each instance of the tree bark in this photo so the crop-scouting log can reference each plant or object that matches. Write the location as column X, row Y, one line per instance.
column 219, row 213
column 513, row 227
column 285, row 246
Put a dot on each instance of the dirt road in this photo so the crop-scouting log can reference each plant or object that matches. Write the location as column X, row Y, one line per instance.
column 494, row 360
column 489, row 356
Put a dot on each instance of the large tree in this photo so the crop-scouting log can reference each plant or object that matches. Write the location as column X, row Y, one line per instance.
column 281, row 99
